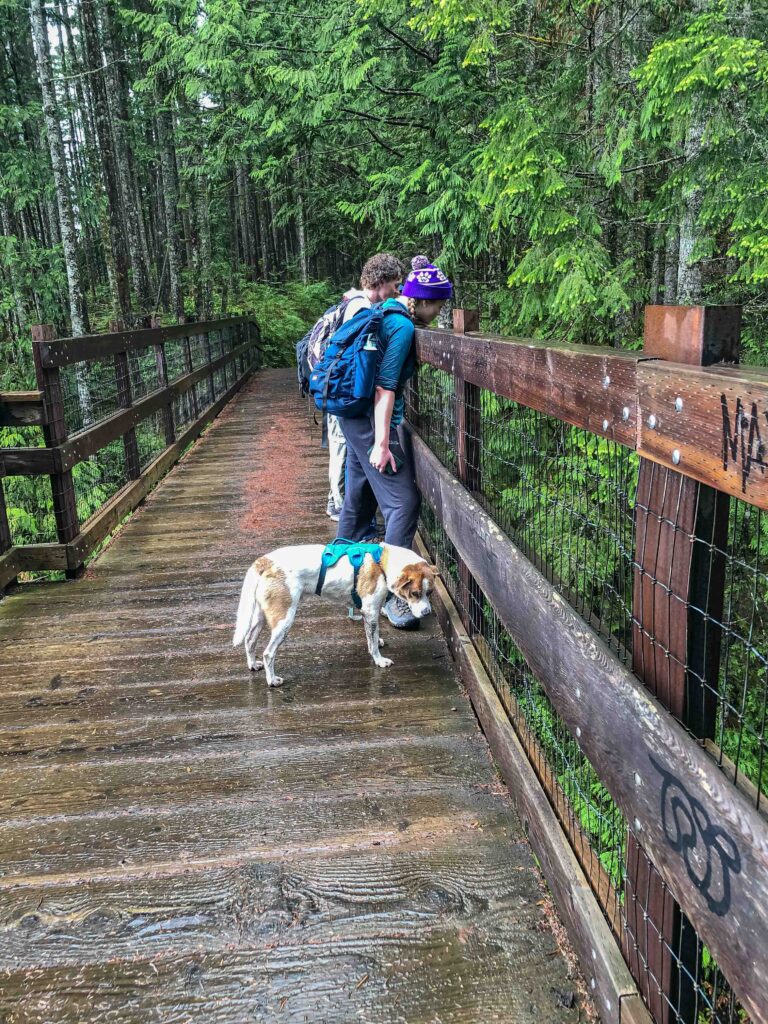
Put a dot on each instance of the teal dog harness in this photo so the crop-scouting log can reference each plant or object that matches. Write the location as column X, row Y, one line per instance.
column 352, row 550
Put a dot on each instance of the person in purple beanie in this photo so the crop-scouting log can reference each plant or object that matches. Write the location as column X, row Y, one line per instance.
column 379, row 461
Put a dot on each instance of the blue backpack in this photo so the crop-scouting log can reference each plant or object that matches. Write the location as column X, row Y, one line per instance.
column 310, row 350
column 343, row 382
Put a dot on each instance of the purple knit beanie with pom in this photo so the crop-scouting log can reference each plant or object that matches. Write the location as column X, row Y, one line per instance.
column 426, row 281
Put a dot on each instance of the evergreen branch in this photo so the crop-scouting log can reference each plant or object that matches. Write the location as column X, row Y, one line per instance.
column 90, row 71
column 390, row 92
column 382, row 143
column 655, row 163
column 400, row 122
column 414, row 49
column 630, row 170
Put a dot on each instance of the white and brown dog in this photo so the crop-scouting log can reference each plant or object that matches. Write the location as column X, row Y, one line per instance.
column 276, row 582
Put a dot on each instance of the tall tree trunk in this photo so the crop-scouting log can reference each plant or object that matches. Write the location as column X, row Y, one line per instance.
column 302, row 233
column 52, row 221
column 194, row 257
column 125, row 164
column 249, row 222
column 275, row 234
column 689, row 278
column 77, row 309
column 204, row 225
column 657, row 267
column 301, row 226
column 174, row 260
column 98, row 89
column 16, row 286
column 671, row 261
column 266, row 261
column 235, row 241
column 253, row 211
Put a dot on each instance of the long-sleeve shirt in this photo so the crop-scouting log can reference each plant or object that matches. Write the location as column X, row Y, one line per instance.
column 397, row 362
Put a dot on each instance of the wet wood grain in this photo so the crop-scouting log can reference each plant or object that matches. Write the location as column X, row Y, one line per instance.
column 178, row 842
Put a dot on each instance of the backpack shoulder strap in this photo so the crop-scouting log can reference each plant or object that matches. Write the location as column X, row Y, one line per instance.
column 396, row 308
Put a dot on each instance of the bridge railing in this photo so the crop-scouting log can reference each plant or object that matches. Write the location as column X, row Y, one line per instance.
column 599, row 520
column 112, row 414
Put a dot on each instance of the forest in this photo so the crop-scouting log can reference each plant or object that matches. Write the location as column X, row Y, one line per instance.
column 566, row 162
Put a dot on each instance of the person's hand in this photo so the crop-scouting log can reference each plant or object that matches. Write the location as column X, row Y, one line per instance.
column 381, row 457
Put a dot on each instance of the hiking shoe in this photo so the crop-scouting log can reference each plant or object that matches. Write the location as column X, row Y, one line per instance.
column 399, row 613
column 332, row 510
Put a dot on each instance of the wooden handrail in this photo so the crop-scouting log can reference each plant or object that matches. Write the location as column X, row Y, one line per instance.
column 710, row 424
column 87, row 442
column 61, row 457
column 65, row 351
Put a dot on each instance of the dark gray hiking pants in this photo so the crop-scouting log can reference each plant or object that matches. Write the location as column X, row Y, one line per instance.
column 395, row 493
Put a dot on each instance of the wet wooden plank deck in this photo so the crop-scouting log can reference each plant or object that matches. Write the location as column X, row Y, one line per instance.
column 178, row 842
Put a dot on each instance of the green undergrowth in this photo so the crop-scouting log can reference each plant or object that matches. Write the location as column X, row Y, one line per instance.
column 284, row 314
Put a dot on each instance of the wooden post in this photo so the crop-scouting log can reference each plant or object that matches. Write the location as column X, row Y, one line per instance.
column 468, row 469
column 5, row 530
column 55, row 433
column 209, row 360
column 162, row 379
column 193, row 410
column 125, row 400
column 6, row 541
column 466, row 320
column 227, row 346
column 248, row 357
column 254, row 336
column 677, row 603
column 244, row 335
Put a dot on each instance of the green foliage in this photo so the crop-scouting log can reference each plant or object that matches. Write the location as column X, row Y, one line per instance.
column 284, row 314
column 712, row 76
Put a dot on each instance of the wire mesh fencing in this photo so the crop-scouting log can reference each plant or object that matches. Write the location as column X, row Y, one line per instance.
column 99, row 477
column 29, row 509
column 565, row 496
column 89, row 393
column 571, row 502
column 113, row 406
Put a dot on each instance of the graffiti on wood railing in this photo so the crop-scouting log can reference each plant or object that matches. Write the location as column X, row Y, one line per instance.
column 710, row 855
column 743, row 444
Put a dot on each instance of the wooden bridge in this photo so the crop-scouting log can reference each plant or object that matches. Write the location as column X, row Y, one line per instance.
column 177, row 840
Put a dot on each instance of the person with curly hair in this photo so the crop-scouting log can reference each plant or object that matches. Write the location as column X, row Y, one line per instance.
column 380, row 466
column 379, row 280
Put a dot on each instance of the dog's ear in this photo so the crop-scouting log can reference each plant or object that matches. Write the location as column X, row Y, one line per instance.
column 413, row 575
column 410, row 575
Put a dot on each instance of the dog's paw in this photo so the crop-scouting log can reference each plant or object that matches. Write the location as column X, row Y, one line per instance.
column 275, row 681
column 381, row 642
column 384, row 662
column 256, row 666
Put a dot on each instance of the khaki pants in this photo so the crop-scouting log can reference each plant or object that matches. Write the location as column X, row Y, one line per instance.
column 337, row 457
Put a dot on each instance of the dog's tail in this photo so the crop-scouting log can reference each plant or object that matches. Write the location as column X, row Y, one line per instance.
column 247, row 607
